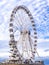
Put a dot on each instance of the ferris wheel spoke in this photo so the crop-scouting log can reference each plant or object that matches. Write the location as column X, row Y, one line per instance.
column 19, row 18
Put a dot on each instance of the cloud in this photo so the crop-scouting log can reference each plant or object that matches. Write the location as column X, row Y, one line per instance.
column 4, row 54
column 42, row 53
column 41, row 40
column 47, row 50
column 43, row 44
column 48, row 2
column 3, row 2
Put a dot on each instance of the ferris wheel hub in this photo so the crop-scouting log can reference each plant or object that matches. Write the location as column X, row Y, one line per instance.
column 24, row 32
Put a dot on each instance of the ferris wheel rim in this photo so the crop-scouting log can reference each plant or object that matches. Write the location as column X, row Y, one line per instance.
column 31, row 20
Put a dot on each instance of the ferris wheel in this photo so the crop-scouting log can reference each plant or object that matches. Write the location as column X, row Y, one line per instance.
column 23, row 35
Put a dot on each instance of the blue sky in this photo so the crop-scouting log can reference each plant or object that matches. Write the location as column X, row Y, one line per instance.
column 40, row 12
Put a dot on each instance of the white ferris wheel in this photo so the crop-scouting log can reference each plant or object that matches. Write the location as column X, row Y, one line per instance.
column 23, row 35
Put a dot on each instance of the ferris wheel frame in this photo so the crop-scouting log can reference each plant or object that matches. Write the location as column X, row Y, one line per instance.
column 12, row 40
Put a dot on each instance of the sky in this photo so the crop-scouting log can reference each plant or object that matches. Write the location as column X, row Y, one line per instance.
column 40, row 12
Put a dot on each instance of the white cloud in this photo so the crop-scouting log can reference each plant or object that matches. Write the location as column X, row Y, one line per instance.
column 4, row 54
column 42, row 53
column 48, row 2
column 3, row 2
column 4, row 36
column 41, row 40
column 4, row 49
